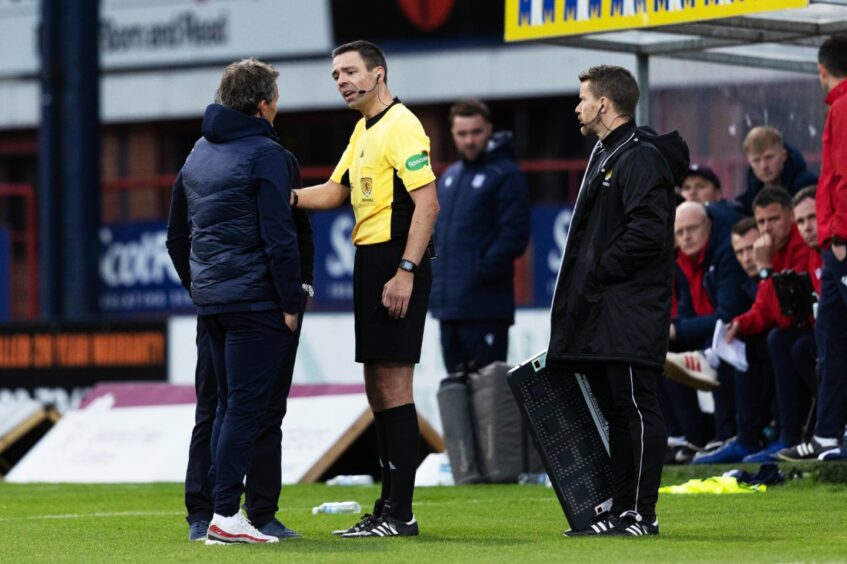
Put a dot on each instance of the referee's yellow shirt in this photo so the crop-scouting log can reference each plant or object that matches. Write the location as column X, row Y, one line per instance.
column 387, row 157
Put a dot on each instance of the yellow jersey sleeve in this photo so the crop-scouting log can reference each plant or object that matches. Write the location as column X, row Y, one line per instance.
column 408, row 153
column 343, row 166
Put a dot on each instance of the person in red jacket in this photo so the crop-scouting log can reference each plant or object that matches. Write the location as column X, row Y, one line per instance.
column 831, row 204
column 792, row 349
column 779, row 247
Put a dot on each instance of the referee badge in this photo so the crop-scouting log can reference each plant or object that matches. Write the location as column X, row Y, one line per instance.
column 367, row 186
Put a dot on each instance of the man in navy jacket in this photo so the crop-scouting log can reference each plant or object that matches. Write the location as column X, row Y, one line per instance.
column 263, row 483
column 773, row 162
column 233, row 241
column 483, row 227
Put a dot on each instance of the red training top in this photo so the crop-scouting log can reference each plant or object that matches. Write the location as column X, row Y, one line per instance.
column 831, row 200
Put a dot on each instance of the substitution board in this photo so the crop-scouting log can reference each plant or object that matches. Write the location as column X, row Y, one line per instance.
column 571, row 435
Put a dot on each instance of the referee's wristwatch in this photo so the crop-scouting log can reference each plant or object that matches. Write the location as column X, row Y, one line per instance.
column 408, row 266
column 308, row 290
column 765, row 273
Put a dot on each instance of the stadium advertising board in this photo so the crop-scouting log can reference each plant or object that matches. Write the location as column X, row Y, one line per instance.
column 334, row 255
column 136, row 273
column 539, row 19
column 56, row 364
column 423, row 24
column 550, row 226
column 143, row 33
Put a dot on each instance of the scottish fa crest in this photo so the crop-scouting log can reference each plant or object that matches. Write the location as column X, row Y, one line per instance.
column 367, row 186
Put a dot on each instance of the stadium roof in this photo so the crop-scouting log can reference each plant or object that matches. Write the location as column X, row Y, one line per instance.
column 785, row 39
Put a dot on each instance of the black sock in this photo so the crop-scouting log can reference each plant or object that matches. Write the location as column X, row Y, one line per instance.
column 382, row 445
column 401, row 425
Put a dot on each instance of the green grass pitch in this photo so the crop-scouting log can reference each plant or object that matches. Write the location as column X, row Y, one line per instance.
column 801, row 521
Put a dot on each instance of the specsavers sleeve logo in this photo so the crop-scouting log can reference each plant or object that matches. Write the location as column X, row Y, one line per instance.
column 417, row 161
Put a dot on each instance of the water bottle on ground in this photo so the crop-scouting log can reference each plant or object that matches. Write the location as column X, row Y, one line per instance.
column 539, row 478
column 337, row 508
column 351, row 480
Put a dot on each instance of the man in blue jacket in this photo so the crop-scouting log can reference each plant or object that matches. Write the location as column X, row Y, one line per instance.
column 234, row 245
column 483, row 227
column 773, row 162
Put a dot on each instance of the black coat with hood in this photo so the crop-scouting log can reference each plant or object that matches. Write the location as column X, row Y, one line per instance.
column 613, row 294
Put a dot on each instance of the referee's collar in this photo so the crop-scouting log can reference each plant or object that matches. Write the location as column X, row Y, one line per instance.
column 370, row 122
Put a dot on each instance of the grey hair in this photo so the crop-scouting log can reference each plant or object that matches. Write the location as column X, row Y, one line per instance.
column 245, row 83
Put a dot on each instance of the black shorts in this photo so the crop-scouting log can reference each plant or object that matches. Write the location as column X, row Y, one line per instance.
column 378, row 337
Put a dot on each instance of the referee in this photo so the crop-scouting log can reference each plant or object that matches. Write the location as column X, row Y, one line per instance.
column 386, row 173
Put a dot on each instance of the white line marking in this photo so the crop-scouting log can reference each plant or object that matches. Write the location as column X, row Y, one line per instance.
column 97, row 514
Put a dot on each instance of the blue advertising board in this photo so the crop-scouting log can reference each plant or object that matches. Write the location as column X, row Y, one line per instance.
column 136, row 273
column 5, row 273
column 550, row 226
column 334, row 256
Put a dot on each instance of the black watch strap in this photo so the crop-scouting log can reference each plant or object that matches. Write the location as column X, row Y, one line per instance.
column 408, row 266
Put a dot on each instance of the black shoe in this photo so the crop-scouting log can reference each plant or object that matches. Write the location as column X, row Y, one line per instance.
column 275, row 528
column 386, row 526
column 365, row 522
column 804, row 451
column 602, row 525
column 632, row 524
column 629, row 523
column 197, row 530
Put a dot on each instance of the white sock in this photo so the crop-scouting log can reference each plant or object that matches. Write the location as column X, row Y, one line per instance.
column 826, row 442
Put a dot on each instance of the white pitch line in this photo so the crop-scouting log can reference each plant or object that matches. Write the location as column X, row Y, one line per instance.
column 98, row 514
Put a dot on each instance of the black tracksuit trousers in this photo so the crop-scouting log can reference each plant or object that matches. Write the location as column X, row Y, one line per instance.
column 628, row 398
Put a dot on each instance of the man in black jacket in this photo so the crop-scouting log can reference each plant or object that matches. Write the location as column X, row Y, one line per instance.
column 611, row 309
column 233, row 242
column 263, row 484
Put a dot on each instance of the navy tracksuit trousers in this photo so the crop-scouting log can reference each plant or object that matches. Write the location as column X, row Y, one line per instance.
column 250, row 401
column 831, row 338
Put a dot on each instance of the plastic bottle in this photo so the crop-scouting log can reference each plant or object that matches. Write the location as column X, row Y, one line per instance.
column 351, row 480
column 539, row 478
column 337, row 507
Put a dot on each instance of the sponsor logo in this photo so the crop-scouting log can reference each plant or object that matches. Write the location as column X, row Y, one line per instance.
column 478, row 181
column 418, row 161
column 141, row 260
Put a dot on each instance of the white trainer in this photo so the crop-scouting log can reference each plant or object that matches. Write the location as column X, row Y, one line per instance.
column 235, row 529
column 691, row 369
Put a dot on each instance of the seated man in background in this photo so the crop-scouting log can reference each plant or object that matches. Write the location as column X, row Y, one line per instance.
column 779, row 247
column 772, row 163
column 710, row 291
column 745, row 232
column 792, row 349
column 701, row 184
